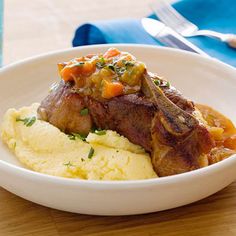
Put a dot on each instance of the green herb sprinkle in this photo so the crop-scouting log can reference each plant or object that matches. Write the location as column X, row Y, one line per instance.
column 29, row 121
column 84, row 112
column 100, row 132
column 91, row 152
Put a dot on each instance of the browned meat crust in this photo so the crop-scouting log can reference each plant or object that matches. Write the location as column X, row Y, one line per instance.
column 164, row 127
column 178, row 139
column 130, row 115
column 62, row 109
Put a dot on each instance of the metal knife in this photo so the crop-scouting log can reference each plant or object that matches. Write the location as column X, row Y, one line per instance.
column 169, row 37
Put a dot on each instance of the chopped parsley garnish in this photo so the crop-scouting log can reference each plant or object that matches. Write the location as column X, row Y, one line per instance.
column 68, row 164
column 80, row 63
column 71, row 136
column 91, row 152
column 100, row 132
column 74, row 136
column 102, row 60
column 82, row 159
column 101, row 63
column 93, row 129
column 111, row 67
column 29, row 121
column 168, row 84
column 120, row 70
column 157, row 82
column 84, row 112
column 129, row 63
column 114, row 67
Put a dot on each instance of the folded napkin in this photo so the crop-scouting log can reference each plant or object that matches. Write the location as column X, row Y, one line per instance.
column 218, row 15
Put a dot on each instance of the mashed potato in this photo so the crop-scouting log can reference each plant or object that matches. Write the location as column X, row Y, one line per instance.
column 44, row 148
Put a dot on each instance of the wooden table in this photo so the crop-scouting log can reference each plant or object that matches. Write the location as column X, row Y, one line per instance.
column 38, row 26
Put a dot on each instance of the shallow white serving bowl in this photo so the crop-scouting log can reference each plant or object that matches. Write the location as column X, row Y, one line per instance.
column 201, row 79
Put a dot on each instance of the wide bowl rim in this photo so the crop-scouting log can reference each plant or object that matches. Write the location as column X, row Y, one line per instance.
column 71, row 49
column 188, row 176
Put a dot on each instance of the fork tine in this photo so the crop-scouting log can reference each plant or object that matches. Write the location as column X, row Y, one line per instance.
column 174, row 13
column 160, row 11
column 165, row 14
column 172, row 20
column 161, row 5
column 171, row 17
column 168, row 19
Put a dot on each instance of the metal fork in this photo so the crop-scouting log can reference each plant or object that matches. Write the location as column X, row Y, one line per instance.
column 168, row 15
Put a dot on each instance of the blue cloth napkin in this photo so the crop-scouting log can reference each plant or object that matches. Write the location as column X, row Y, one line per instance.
column 218, row 15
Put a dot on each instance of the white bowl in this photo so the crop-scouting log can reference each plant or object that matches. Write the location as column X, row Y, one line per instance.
column 202, row 79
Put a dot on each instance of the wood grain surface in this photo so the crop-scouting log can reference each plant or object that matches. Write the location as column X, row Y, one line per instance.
column 38, row 26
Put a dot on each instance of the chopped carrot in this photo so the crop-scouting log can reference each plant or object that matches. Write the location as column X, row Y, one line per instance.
column 88, row 68
column 230, row 142
column 67, row 73
column 90, row 55
column 74, row 70
column 111, row 89
column 77, row 59
column 60, row 66
column 111, row 52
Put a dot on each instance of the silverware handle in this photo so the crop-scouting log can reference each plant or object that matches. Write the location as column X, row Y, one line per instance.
column 173, row 39
column 230, row 39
